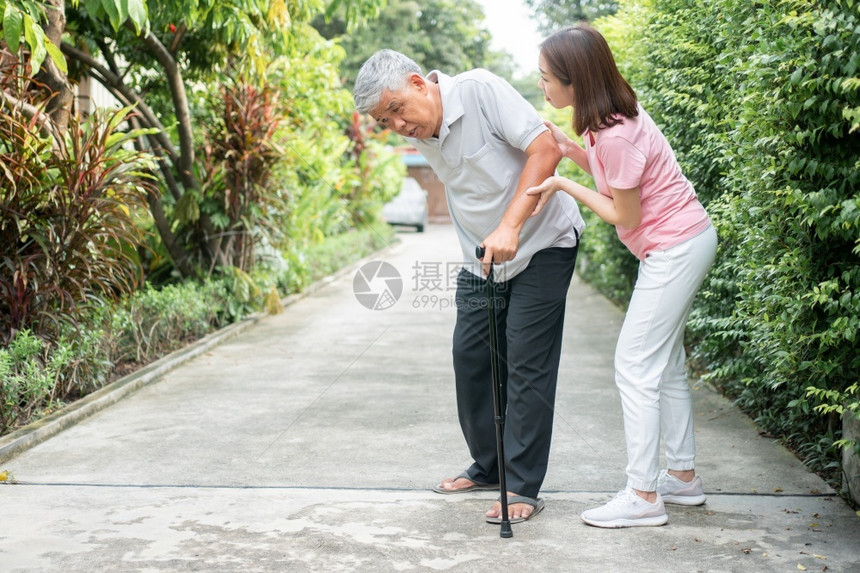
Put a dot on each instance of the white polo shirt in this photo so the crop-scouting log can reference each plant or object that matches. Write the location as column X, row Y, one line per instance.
column 479, row 156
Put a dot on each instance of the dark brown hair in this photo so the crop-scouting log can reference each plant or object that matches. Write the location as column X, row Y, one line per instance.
column 579, row 56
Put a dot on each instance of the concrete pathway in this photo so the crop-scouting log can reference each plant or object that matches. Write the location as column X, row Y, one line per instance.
column 309, row 442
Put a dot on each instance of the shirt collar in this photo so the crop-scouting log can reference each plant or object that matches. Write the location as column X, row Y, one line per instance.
column 452, row 106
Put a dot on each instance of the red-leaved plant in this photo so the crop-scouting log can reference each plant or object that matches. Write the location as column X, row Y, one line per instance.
column 68, row 207
column 237, row 159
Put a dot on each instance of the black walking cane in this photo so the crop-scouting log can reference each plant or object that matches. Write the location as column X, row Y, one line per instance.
column 498, row 397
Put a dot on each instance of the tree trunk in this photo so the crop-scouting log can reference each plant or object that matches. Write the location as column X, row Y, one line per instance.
column 60, row 105
column 211, row 240
column 185, row 162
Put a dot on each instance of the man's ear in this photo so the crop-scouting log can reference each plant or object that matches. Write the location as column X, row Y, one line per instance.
column 418, row 82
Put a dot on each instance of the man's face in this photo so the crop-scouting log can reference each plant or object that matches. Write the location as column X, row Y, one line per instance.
column 412, row 111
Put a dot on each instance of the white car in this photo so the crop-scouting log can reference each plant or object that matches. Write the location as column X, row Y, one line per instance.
column 409, row 207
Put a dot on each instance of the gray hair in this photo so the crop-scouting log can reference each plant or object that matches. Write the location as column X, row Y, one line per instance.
column 384, row 70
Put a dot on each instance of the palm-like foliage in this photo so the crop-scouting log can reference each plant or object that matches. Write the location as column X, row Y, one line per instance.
column 67, row 219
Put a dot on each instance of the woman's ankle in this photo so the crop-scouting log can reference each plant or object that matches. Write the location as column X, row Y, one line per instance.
column 649, row 496
column 684, row 475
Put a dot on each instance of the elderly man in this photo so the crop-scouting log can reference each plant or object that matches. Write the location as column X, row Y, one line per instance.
column 488, row 145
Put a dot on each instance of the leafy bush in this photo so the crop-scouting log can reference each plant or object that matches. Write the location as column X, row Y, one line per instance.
column 37, row 376
column 25, row 379
column 154, row 322
column 799, row 281
column 67, row 220
column 760, row 102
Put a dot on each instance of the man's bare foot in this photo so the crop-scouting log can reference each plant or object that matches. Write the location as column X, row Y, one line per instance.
column 518, row 511
column 462, row 484
column 456, row 484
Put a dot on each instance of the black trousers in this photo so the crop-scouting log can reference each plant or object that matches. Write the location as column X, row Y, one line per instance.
column 530, row 318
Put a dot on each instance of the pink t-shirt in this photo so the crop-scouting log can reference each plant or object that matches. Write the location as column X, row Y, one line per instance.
column 635, row 153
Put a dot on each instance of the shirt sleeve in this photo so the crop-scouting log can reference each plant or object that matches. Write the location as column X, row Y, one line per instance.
column 622, row 162
column 510, row 116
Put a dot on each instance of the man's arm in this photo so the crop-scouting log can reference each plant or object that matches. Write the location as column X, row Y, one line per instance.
column 502, row 244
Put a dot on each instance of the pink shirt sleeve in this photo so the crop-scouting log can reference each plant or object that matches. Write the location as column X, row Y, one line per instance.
column 623, row 163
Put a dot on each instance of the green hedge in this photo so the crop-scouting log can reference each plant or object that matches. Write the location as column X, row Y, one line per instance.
column 761, row 102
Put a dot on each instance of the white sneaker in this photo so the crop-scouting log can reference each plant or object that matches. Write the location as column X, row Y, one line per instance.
column 627, row 509
column 673, row 490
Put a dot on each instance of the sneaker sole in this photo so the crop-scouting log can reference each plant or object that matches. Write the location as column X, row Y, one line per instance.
column 685, row 499
column 655, row 521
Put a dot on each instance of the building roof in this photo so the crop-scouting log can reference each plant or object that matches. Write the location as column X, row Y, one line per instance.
column 412, row 157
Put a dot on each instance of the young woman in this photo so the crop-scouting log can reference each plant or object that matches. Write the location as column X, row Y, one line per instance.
column 642, row 192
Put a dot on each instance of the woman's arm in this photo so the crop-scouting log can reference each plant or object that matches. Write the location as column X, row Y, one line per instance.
column 569, row 148
column 623, row 209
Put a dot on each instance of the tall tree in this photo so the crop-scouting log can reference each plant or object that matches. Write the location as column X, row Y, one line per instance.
column 438, row 34
column 552, row 15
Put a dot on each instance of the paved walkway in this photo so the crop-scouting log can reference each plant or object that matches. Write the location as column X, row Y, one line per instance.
column 309, row 442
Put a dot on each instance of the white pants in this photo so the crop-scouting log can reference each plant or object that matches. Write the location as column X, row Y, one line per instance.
column 649, row 359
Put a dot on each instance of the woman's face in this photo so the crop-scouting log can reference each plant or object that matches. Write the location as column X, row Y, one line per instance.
column 554, row 91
